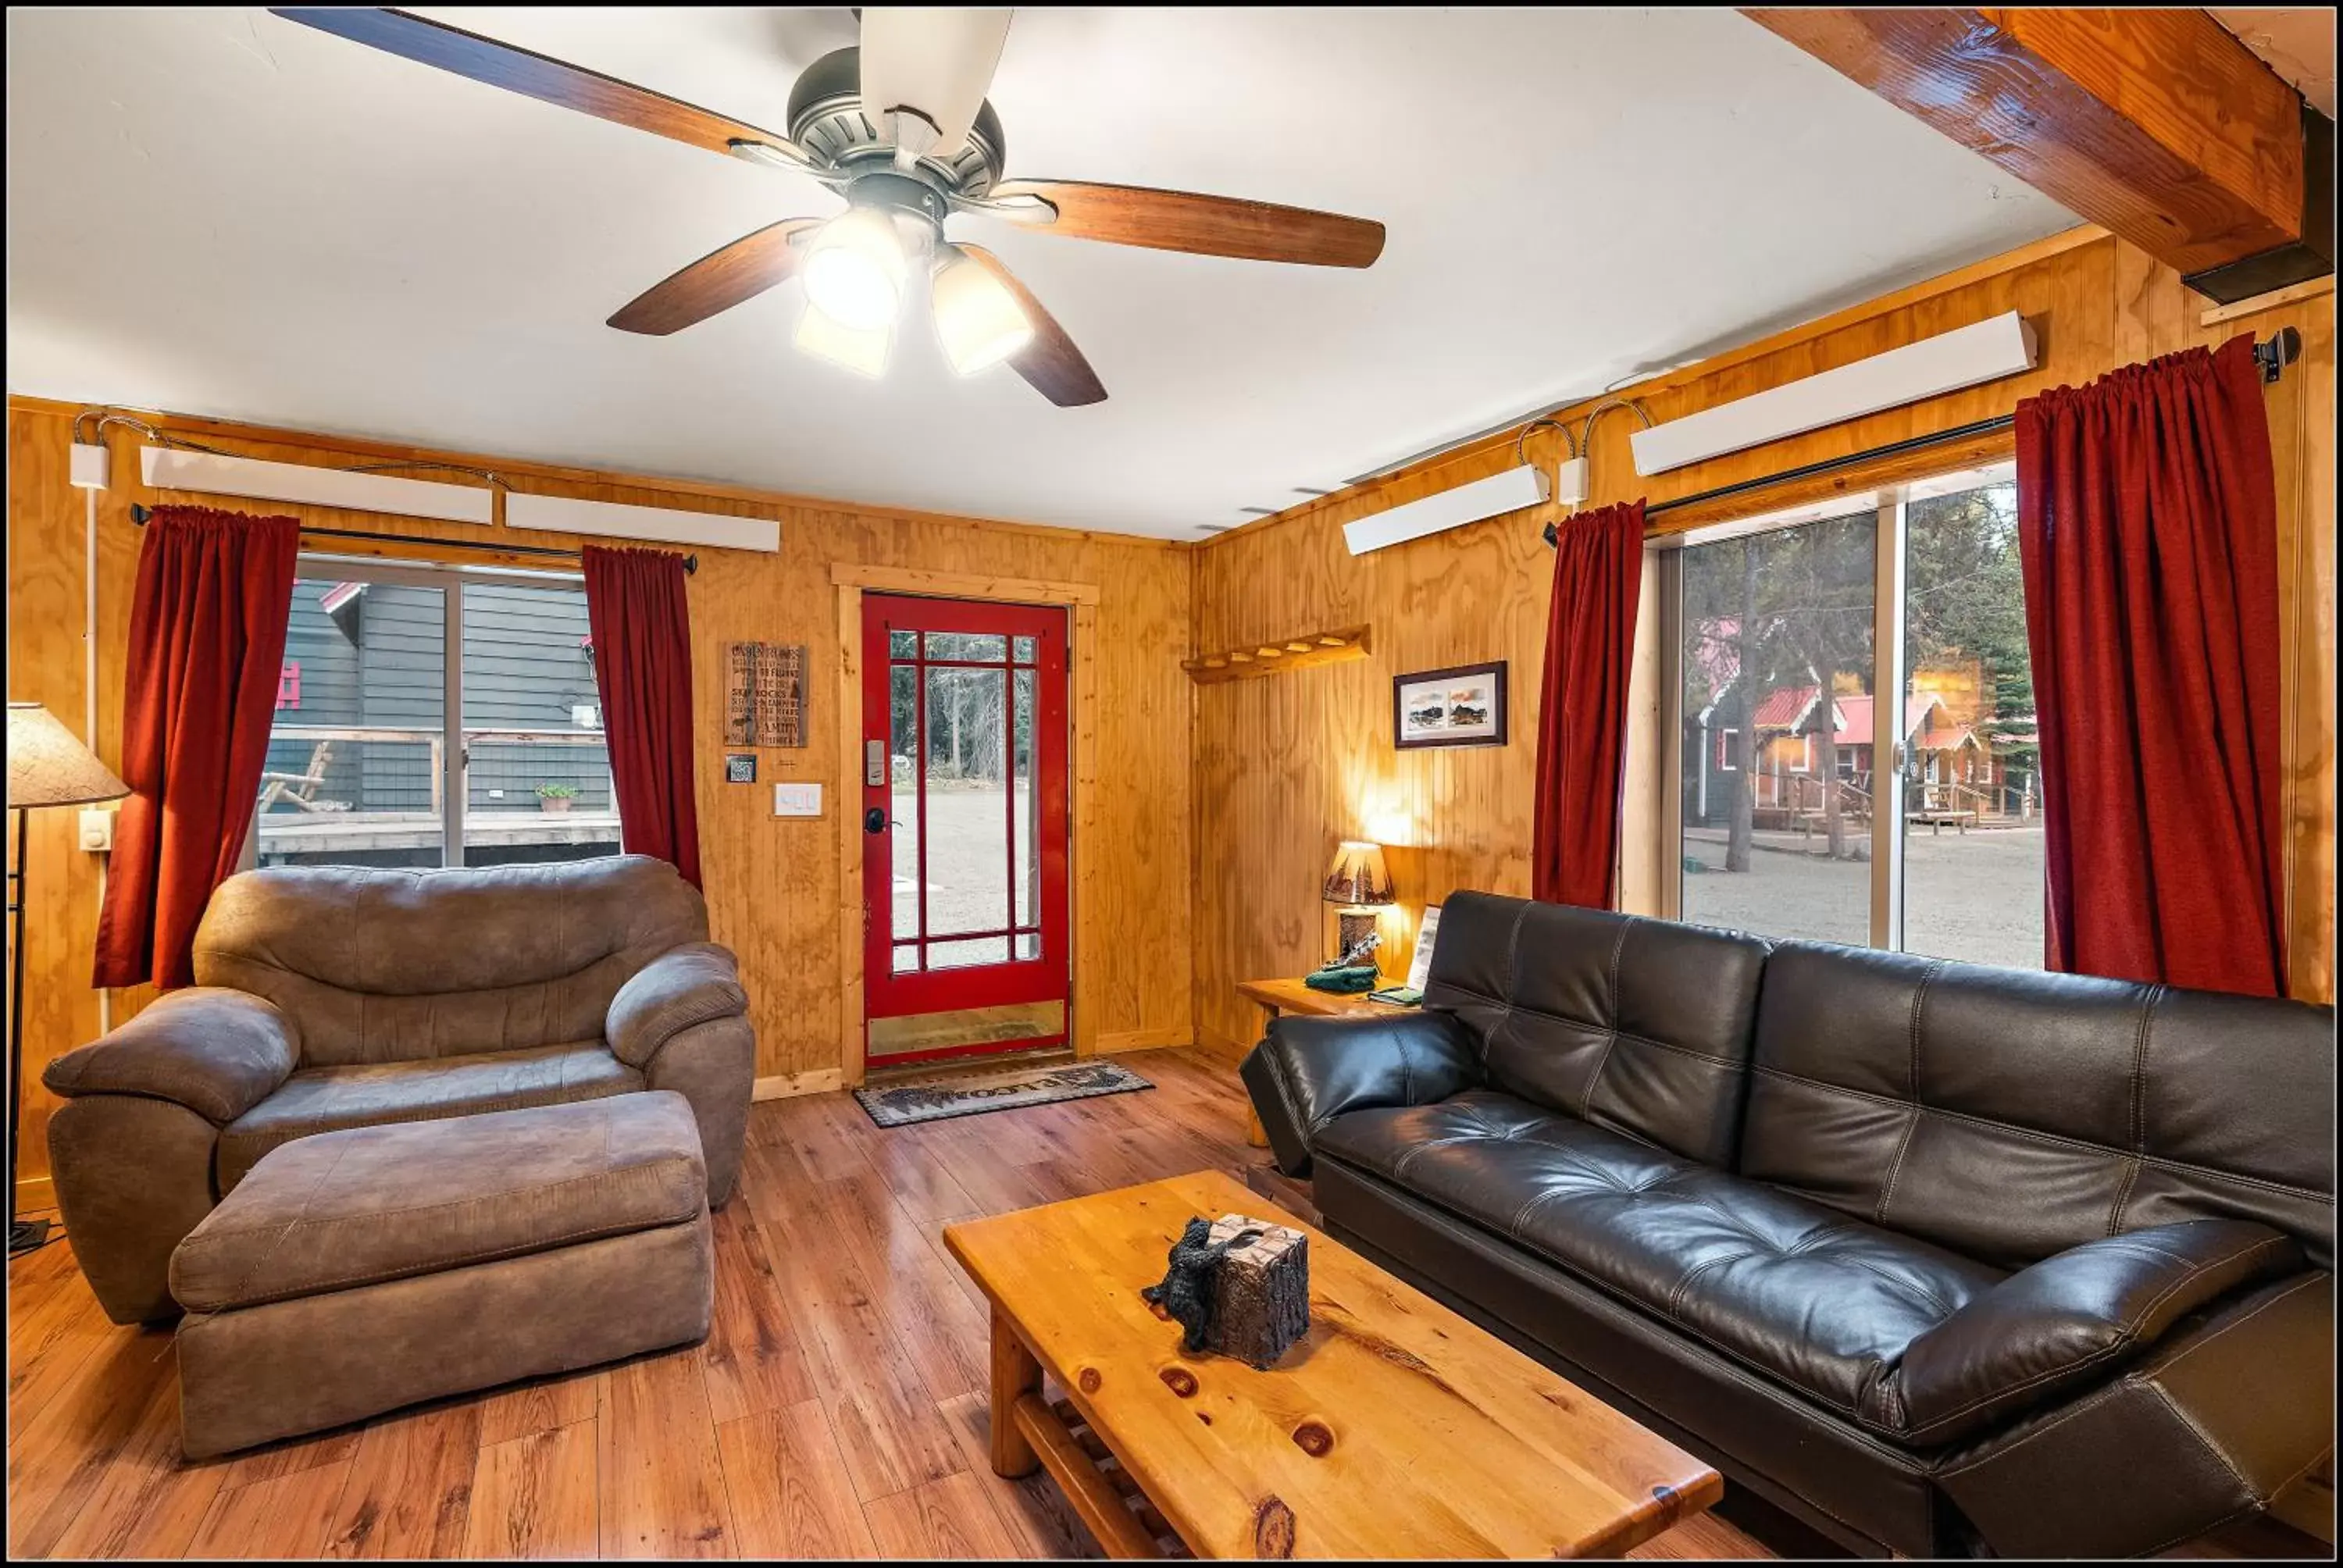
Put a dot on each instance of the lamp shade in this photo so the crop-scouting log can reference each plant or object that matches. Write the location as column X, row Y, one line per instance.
column 1359, row 875
column 47, row 766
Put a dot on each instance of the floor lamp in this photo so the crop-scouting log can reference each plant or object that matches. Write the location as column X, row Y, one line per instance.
column 47, row 767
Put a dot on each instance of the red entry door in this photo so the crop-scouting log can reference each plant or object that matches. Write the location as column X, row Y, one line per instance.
column 964, row 802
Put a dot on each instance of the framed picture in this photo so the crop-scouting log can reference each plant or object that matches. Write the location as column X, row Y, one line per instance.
column 1461, row 706
column 740, row 768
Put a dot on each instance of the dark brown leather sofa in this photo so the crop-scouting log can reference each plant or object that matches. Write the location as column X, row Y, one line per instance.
column 1943, row 1258
column 335, row 997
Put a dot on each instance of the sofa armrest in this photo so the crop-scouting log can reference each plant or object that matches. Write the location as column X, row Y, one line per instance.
column 2081, row 1313
column 695, row 984
column 1309, row 1071
column 217, row 1051
column 2233, row 1407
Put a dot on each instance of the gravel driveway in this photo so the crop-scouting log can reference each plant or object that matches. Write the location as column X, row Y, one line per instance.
column 1974, row 896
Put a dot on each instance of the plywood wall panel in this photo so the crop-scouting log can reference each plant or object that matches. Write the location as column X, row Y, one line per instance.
column 1286, row 766
column 773, row 884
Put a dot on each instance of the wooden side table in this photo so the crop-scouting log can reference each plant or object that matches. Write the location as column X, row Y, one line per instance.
column 1277, row 996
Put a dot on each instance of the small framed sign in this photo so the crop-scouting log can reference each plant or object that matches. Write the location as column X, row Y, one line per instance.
column 1464, row 706
column 740, row 768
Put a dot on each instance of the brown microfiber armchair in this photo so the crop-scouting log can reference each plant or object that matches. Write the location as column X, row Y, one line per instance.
column 334, row 997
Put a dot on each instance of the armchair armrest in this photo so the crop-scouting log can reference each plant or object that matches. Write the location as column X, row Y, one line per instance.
column 1309, row 1071
column 219, row 1052
column 2079, row 1314
column 695, row 984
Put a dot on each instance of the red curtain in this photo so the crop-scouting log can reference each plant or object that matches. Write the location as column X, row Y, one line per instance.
column 206, row 644
column 2147, row 523
column 641, row 626
column 1590, row 642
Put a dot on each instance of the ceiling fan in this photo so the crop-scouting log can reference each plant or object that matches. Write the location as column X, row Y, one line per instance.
column 901, row 128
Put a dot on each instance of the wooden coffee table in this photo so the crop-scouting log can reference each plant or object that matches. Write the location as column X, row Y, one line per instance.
column 1397, row 1429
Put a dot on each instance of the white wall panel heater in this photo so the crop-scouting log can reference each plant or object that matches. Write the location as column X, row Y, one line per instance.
column 1988, row 351
column 1500, row 493
column 662, row 524
column 176, row 468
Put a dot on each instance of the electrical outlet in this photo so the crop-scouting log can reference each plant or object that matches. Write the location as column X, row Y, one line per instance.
column 797, row 799
column 96, row 825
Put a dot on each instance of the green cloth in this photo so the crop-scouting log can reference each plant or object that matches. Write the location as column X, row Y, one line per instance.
column 1338, row 979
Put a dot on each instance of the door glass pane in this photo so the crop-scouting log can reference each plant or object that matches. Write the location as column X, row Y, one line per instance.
column 907, row 958
column 903, row 798
column 1777, row 678
column 968, row 804
column 1022, row 650
column 967, row 645
column 971, row 950
column 354, row 773
column 1972, row 844
column 1028, row 811
column 903, row 644
column 537, row 769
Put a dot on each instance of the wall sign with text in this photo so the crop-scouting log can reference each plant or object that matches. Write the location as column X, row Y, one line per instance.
column 765, row 694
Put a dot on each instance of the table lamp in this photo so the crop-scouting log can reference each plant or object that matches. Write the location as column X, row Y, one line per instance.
column 1360, row 883
column 47, row 767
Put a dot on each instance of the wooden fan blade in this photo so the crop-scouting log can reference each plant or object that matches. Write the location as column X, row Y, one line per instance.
column 538, row 77
column 1051, row 362
column 716, row 281
column 1183, row 220
column 934, row 60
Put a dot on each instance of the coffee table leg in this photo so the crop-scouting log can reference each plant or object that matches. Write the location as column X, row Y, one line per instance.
column 1015, row 1373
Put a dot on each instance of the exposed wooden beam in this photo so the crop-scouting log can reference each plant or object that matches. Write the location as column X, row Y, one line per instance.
column 2158, row 124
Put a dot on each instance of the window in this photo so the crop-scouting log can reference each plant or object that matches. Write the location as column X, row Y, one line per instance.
column 440, row 717
column 1880, row 655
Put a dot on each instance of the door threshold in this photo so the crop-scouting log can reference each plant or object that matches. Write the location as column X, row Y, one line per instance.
column 957, row 1066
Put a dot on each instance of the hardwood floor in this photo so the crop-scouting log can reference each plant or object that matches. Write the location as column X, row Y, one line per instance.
column 835, row 1410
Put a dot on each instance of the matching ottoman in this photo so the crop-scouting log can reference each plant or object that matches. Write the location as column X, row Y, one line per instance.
column 353, row 1272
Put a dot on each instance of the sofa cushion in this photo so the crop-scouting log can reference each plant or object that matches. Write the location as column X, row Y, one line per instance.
column 1822, row 1301
column 324, row 1099
column 1920, row 1095
column 375, row 1203
column 1637, row 1024
column 387, row 965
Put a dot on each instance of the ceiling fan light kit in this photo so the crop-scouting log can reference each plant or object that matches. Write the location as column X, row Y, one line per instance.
column 901, row 126
column 979, row 321
column 861, row 350
column 854, row 269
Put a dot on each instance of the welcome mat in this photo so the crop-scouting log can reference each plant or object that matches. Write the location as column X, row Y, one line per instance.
column 973, row 1093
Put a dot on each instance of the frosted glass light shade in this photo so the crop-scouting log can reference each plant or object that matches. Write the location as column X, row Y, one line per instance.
column 860, row 350
column 978, row 318
column 854, row 269
column 47, row 766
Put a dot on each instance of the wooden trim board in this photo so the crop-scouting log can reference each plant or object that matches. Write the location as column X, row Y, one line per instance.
column 787, row 1085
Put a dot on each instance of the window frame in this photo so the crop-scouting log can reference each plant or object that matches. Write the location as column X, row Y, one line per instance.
column 1890, row 759
column 449, row 580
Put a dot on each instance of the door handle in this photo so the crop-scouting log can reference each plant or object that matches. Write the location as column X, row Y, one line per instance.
column 874, row 821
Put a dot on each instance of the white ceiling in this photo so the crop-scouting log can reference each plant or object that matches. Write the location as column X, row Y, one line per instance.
column 2297, row 43
column 222, row 213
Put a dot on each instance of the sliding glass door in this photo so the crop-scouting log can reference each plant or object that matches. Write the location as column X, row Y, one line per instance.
column 1853, row 725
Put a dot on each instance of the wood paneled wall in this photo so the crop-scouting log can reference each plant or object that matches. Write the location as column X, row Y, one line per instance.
column 773, row 885
column 1287, row 765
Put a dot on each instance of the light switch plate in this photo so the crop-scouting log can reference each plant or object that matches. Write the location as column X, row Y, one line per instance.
column 797, row 799
column 96, row 825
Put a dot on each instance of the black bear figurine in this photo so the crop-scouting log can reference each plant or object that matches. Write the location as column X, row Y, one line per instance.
column 1186, row 1291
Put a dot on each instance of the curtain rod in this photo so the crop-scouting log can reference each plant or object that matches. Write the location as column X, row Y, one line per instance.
column 139, row 515
column 2283, row 348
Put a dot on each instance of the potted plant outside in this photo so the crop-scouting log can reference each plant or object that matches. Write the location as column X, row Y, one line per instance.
column 556, row 797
